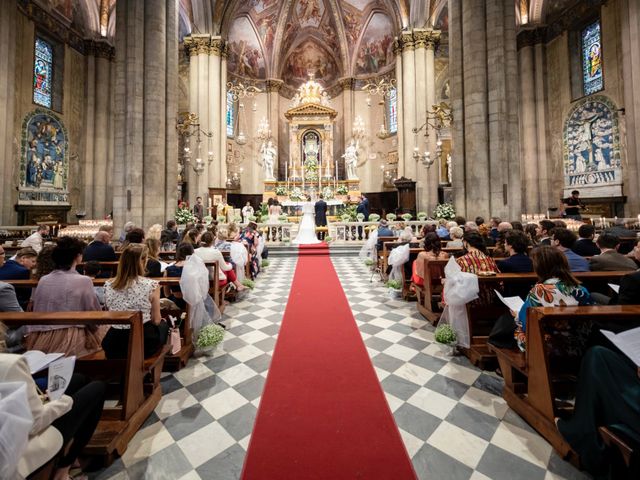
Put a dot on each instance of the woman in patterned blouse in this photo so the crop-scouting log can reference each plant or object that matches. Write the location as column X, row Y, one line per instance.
column 476, row 261
column 556, row 287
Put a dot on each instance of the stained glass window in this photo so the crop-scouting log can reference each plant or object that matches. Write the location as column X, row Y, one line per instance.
column 42, row 70
column 231, row 115
column 392, row 111
column 592, row 59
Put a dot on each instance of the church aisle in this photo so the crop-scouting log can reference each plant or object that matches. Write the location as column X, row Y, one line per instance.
column 451, row 415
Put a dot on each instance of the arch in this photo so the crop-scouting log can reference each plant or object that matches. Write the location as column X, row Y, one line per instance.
column 246, row 51
column 378, row 49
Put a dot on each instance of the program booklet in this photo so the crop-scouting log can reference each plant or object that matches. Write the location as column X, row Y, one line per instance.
column 628, row 342
column 38, row 360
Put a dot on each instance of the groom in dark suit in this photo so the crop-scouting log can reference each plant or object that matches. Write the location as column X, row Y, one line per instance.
column 320, row 208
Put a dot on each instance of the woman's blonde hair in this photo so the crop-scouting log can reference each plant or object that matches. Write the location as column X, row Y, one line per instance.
column 154, row 231
column 133, row 260
column 153, row 247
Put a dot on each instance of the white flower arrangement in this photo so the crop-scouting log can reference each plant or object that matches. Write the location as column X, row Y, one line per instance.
column 297, row 194
column 210, row 336
column 327, row 193
column 444, row 211
column 281, row 191
column 184, row 216
column 374, row 217
column 342, row 190
column 422, row 216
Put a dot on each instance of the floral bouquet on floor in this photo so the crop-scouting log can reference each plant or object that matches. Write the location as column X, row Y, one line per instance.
column 444, row 211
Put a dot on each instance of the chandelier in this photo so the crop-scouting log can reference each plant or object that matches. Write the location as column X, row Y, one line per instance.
column 436, row 119
column 188, row 126
column 240, row 90
column 358, row 128
column 382, row 86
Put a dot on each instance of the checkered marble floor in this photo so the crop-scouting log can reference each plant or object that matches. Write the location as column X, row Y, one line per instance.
column 451, row 416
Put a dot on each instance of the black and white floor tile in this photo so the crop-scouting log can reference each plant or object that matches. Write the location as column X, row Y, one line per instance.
column 451, row 416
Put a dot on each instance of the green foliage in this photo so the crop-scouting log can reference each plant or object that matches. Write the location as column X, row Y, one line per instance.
column 283, row 218
column 249, row 283
column 221, row 219
column 374, row 217
column 328, row 239
column 207, row 219
column 360, row 216
column 407, row 217
column 445, row 334
column 263, row 211
column 391, row 217
column 342, row 190
column 369, row 263
column 253, row 218
column 281, row 191
column 394, row 284
column 422, row 215
column 347, row 211
column 265, row 263
column 210, row 336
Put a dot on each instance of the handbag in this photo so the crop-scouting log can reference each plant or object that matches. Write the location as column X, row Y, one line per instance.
column 176, row 342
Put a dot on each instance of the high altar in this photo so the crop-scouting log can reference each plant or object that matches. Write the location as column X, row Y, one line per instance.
column 312, row 168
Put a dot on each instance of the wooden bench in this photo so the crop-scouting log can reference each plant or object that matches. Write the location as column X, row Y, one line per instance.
column 430, row 293
column 139, row 389
column 533, row 379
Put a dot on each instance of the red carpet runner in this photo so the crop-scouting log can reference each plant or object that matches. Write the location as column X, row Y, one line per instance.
column 323, row 414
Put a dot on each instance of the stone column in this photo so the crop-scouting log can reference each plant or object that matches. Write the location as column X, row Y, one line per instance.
column 90, row 118
column 545, row 200
column 223, row 114
column 421, row 107
column 144, row 42
column 348, row 101
column 485, row 136
column 103, row 55
column 397, row 50
column 433, row 173
column 408, row 100
column 273, row 102
column 630, row 33
column 8, row 161
column 528, row 147
column 171, row 111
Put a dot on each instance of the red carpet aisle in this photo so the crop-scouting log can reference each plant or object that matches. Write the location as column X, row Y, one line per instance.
column 322, row 414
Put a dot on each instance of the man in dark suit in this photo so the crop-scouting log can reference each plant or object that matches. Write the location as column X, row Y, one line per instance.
column 363, row 207
column 198, row 209
column 320, row 208
column 585, row 247
column 20, row 269
column 99, row 250
column 629, row 290
column 516, row 243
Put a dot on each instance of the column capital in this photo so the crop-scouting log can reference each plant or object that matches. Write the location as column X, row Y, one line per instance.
column 218, row 47
column 99, row 49
column 197, row 44
column 347, row 83
column 405, row 41
column 426, row 38
column 273, row 85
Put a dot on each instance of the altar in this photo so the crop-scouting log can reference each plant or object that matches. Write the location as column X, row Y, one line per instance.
column 294, row 208
column 312, row 167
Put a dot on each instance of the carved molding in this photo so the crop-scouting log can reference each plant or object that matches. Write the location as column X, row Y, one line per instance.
column 99, row 49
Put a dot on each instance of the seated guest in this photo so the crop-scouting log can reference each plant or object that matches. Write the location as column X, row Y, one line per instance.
column 36, row 239
column 153, row 267
column 563, row 240
column 384, row 230
column 516, row 225
column 222, row 240
column 94, row 270
column 432, row 251
column 560, row 224
column 20, row 269
column 126, row 229
column 172, row 292
column 169, row 235
column 531, row 230
column 479, row 221
column 192, row 237
column 208, row 253
column 476, row 260
column 65, row 290
column 585, row 246
column 232, row 231
column 517, row 245
column 483, row 230
column 75, row 415
column 442, row 230
column 471, row 227
column 108, row 229
column 249, row 236
column 518, row 261
column 556, row 287
column 8, row 299
column 456, row 234
column 493, row 233
column 44, row 262
column 610, row 260
column 154, row 231
column 99, row 250
column 501, row 250
column 131, row 290
column 460, row 221
column 607, row 394
column 543, row 232
column 134, row 235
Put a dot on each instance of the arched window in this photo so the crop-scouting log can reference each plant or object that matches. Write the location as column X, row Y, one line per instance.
column 42, row 73
column 591, row 46
column 231, row 115
column 392, row 111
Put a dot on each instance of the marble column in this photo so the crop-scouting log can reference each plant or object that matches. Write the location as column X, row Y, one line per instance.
column 630, row 40
column 217, row 112
column 408, row 100
column 171, row 110
column 348, row 102
column 397, row 50
column 90, row 119
column 8, row 160
column 433, row 173
column 528, row 145
column 419, row 98
column 542, row 122
column 485, row 134
column 223, row 114
column 103, row 56
column 273, row 101
column 145, row 40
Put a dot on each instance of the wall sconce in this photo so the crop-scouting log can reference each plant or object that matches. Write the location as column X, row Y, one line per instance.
column 189, row 125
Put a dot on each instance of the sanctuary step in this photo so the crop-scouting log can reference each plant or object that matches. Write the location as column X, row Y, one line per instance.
column 334, row 250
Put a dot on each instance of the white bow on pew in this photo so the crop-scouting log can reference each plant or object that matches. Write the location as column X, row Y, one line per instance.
column 459, row 289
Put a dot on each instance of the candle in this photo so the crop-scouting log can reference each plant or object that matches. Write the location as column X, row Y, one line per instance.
column 209, row 202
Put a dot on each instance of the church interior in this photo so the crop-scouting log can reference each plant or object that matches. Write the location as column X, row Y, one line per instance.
column 319, row 239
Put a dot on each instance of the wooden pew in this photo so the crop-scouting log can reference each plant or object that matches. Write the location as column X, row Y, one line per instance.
column 140, row 389
column 387, row 247
column 532, row 379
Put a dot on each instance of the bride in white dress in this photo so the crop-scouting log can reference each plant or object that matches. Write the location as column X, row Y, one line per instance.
column 307, row 231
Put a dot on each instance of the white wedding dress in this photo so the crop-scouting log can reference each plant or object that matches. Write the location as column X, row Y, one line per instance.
column 307, row 230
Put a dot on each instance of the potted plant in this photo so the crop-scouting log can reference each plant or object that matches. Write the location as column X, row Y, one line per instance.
column 374, row 217
column 391, row 217
column 209, row 338
column 407, row 217
column 360, row 217
column 221, row 219
column 253, row 218
column 250, row 284
column 422, row 216
column 369, row 262
column 283, row 218
column 395, row 288
column 446, row 336
column 265, row 263
column 184, row 216
column 328, row 239
column 342, row 190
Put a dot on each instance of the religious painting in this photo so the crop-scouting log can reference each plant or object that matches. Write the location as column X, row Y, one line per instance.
column 245, row 53
column 310, row 58
column 359, row 4
column 267, row 30
column 309, row 13
column 44, row 165
column 442, row 23
column 592, row 145
column 592, row 59
column 260, row 5
column 376, row 48
column 392, row 157
column 352, row 24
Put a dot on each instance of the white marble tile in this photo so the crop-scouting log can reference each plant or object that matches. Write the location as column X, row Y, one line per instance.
column 174, row 402
column 246, row 353
column 146, row 442
column 381, row 322
column 485, row 402
column 390, row 335
column 432, row 402
column 223, row 403
column 259, row 323
column 393, row 401
column 236, row 374
column 414, row 373
column 458, row 372
column 253, row 337
column 458, row 443
column 526, row 445
column 193, row 373
column 244, row 443
column 411, row 442
column 400, row 352
column 205, row 443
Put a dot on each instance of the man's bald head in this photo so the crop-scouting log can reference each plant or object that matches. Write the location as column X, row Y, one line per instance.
column 103, row 237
